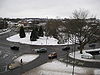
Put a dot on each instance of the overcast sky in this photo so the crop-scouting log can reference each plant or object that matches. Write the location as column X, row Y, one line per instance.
column 46, row 8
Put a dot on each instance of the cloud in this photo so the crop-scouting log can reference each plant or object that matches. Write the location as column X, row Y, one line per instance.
column 44, row 8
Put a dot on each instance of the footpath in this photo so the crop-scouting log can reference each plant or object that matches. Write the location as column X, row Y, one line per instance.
column 3, row 31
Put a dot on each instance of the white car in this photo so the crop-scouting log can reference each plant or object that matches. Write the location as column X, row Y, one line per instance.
column 13, row 65
column 86, row 56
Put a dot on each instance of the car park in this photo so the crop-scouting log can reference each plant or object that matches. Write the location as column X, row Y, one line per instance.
column 52, row 55
column 66, row 48
column 41, row 50
column 14, row 47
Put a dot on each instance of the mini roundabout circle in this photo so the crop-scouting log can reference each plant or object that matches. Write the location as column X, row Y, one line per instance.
column 84, row 59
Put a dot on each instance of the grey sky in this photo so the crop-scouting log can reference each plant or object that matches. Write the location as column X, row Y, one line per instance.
column 46, row 8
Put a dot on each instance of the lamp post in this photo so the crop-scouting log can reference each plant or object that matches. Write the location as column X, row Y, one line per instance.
column 68, row 50
column 46, row 40
column 74, row 48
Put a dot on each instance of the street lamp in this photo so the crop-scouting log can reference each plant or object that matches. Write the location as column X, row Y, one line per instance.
column 74, row 57
column 67, row 51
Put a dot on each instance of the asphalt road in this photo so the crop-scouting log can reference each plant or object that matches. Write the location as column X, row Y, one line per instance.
column 7, row 54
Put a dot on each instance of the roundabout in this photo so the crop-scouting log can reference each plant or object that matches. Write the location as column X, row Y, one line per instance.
column 42, row 59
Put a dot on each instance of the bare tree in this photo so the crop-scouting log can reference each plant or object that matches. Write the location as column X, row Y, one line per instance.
column 82, row 28
column 80, row 14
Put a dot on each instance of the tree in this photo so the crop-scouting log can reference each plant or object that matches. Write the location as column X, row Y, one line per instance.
column 22, row 32
column 37, row 31
column 52, row 27
column 3, row 24
column 33, row 36
column 40, row 32
column 82, row 28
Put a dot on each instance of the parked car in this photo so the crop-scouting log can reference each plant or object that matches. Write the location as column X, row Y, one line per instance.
column 86, row 56
column 14, row 47
column 13, row 65
column 92, row 45
column 66, row 48
column 52, row 55
column 41, row 50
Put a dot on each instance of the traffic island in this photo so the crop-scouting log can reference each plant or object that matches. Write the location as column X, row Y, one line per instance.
column 22, row 60
column 80, row 60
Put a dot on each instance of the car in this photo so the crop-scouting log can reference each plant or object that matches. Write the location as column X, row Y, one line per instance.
column 86, row 56
column 92, row 45
column 14, row 47
column 52, row 55
column 66, row 48
column 41, row 50
column 13, row 65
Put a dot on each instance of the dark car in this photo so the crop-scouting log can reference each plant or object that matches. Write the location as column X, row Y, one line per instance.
column 52, row 55
column 41, row 50
column 14, row 48
column 92, row 45
column 66, row 48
